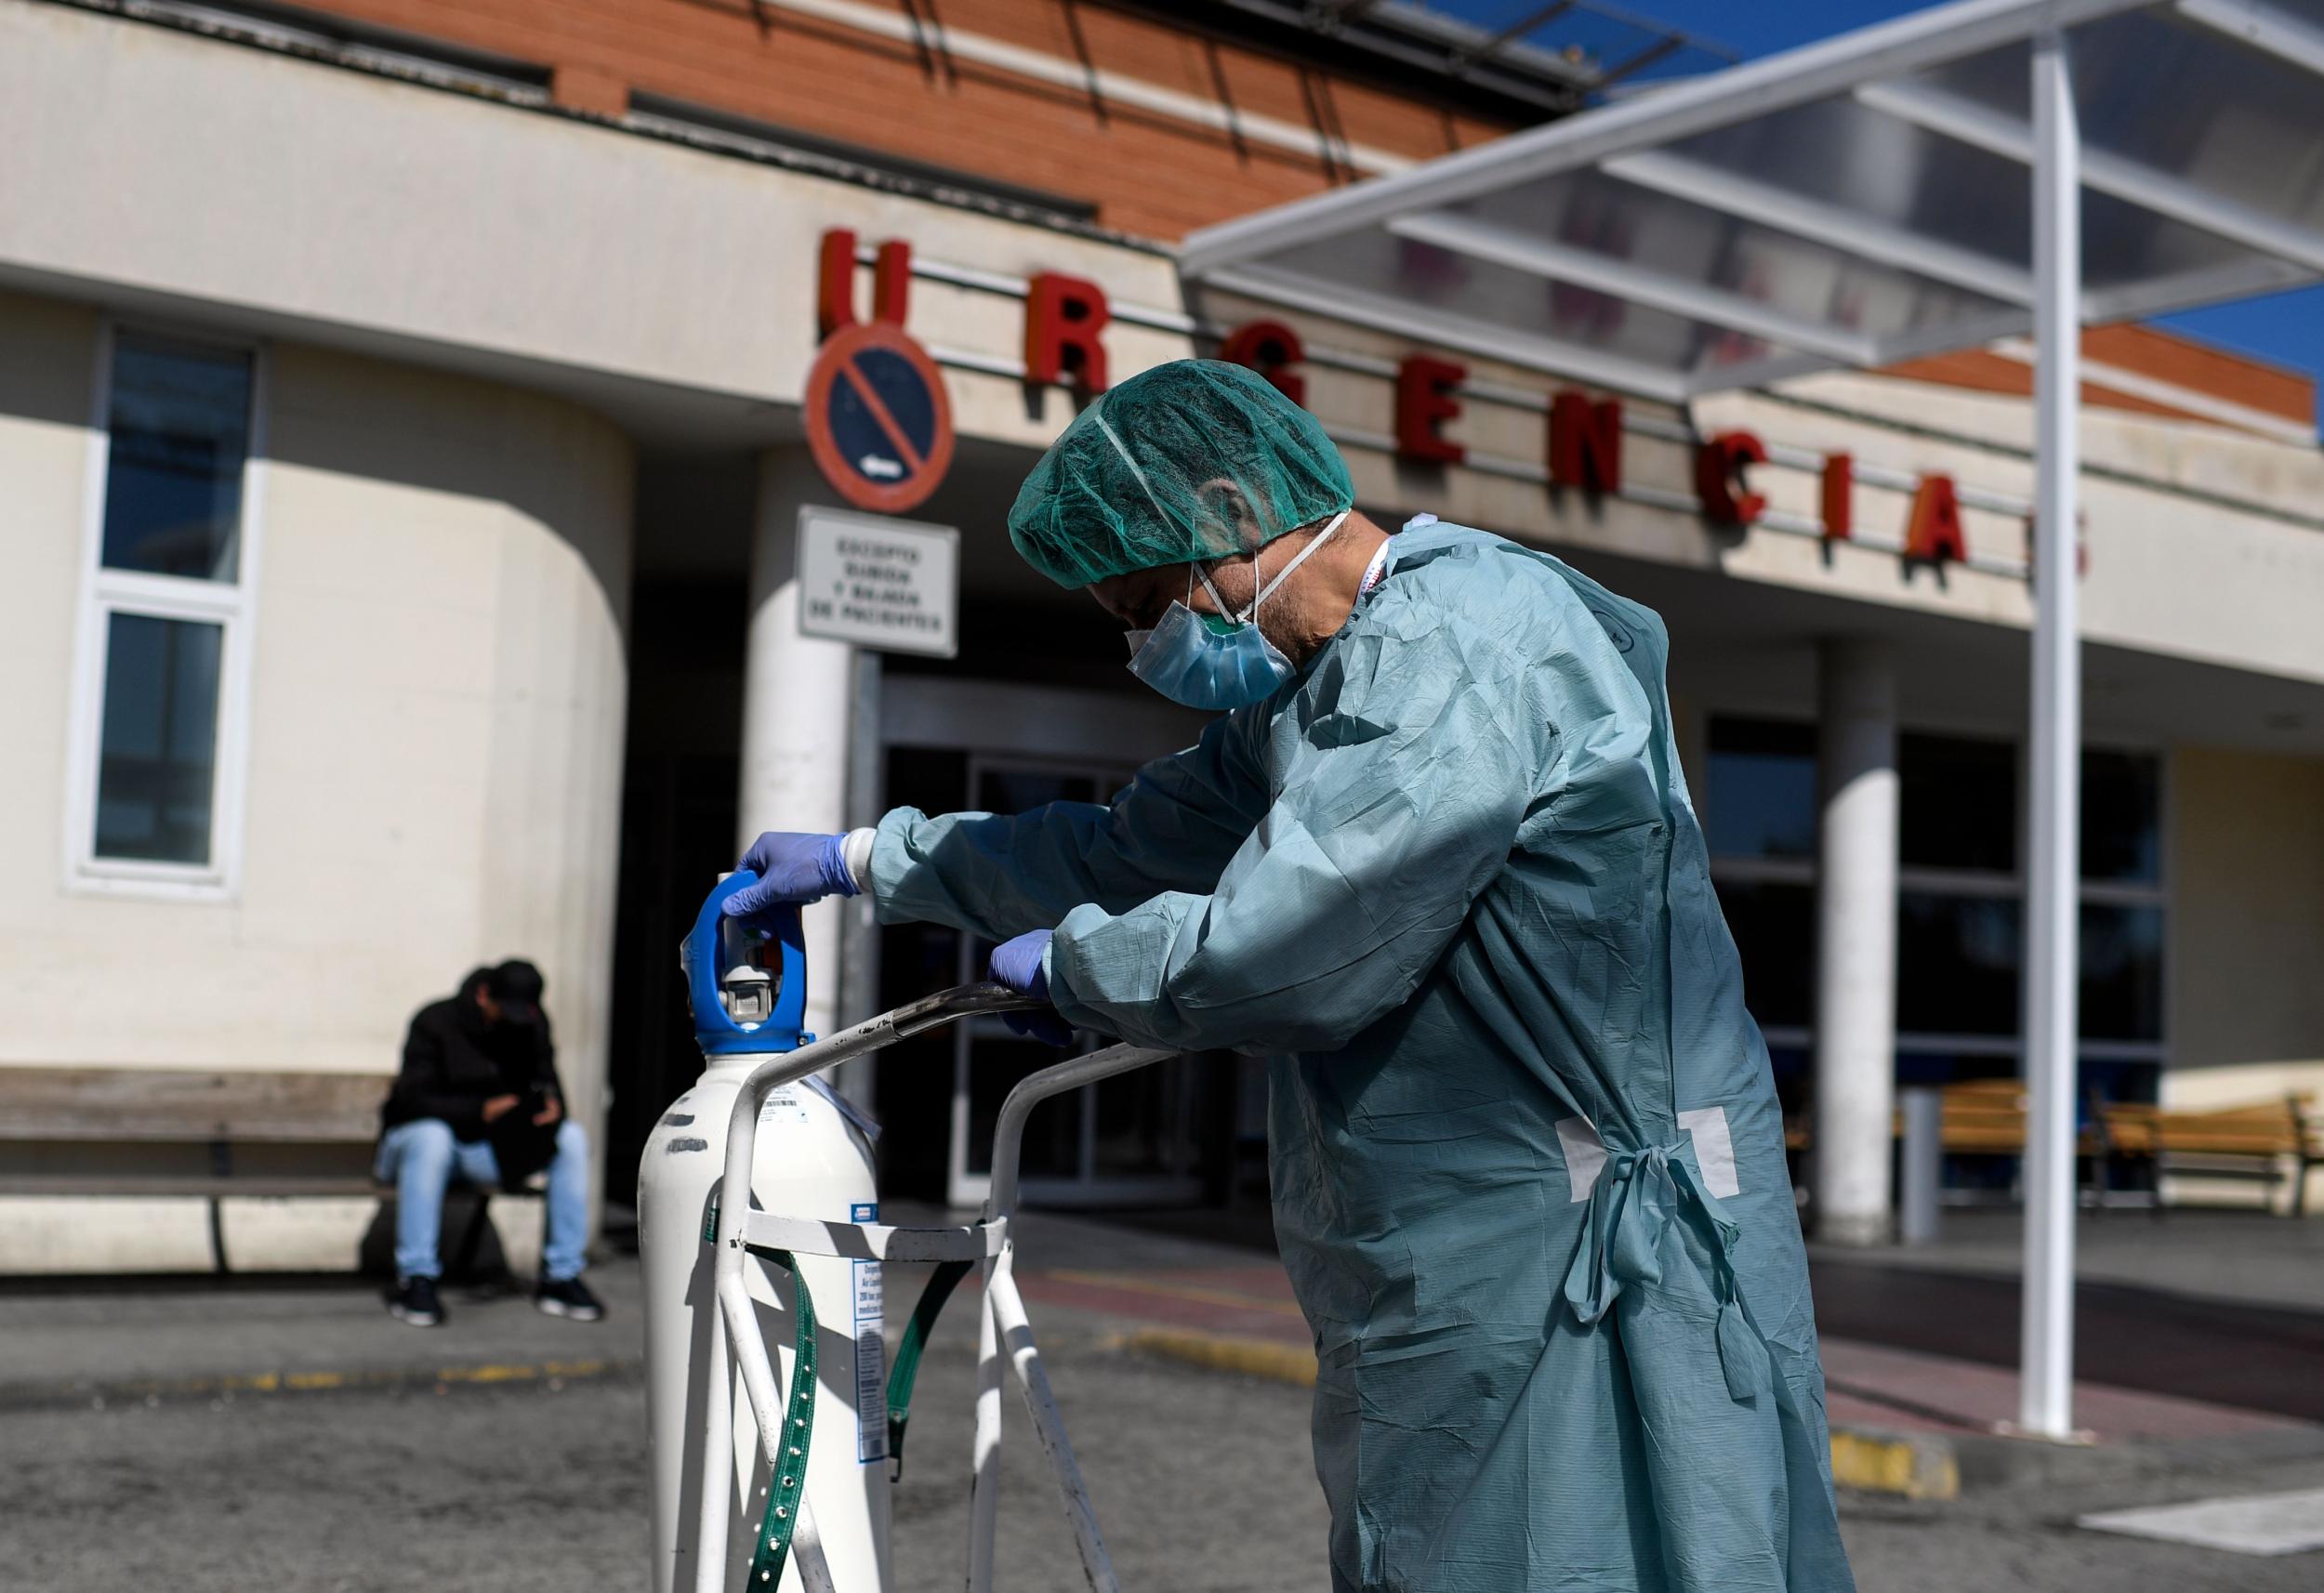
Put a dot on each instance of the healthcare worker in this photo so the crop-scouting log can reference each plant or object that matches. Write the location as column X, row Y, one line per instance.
column 1436, row 860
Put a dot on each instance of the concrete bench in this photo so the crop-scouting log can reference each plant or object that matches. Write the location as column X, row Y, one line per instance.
column 202, row 1135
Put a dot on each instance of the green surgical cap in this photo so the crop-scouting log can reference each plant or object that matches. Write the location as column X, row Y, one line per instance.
column 1194, row 459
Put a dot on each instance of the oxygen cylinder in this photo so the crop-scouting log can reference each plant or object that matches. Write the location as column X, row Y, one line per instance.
column 812, row 1159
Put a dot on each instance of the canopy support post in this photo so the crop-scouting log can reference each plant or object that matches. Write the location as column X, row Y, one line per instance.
column 2052, row 895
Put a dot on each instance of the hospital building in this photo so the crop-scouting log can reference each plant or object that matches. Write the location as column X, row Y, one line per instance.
column 426, row 429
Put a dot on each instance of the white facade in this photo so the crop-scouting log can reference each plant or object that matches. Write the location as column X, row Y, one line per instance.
column 421, row 725
column 526, row 385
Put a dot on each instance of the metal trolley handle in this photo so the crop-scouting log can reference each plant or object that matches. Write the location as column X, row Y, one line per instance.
column 985, row 1242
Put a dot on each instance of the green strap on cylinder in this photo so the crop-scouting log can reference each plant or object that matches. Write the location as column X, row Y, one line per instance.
column 771, row 1548
column 940, row 1284
column 788, row 1482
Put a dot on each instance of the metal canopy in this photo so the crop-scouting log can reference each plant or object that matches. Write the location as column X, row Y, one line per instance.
column 1860, row 202
column 1956, row 176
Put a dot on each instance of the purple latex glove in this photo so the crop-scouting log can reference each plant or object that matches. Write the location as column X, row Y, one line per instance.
column 792, row 869
column 1017, row 964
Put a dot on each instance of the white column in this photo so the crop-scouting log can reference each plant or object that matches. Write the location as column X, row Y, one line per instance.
column 1856, row 944
column 796, row 693
column 858, row 988
column 2053, row 925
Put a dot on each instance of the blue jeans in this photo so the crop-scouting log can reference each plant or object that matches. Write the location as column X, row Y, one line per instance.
column 421, row 1158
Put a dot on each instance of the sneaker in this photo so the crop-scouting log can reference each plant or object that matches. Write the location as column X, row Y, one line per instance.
column 413, row 1300
column 567, row 1297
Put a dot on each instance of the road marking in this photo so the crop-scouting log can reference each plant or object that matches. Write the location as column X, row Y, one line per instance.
column 2251, row 1523
column 1917, row 1466
column 28, row 1396
column 1175, row 1291
column 1218, row 1352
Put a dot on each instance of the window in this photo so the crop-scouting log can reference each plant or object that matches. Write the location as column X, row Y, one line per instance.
column 1957, row 963
column 166, row 631
column 2122, row 818
column 179, row 430
column 1760, row 825
column 1763, row 782
column 1960, row 900
column 2124, row 920
column 158, row 746
column 2121, row 972
column 1773, row 926
column 1957, row 804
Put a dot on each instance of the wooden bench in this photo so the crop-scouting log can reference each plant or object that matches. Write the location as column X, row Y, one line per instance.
column 282, row 1135
column 2270, row 1139
column 1982, row 1117
column 1978, row 1117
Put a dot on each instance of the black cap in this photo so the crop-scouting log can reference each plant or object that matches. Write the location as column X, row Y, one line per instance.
column 515, row 987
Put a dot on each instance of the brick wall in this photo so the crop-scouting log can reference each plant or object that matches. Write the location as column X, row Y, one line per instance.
column 2144, row 351
column 1150, row 174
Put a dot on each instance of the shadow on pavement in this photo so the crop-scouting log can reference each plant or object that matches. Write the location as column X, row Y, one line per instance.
column 2254, row 1357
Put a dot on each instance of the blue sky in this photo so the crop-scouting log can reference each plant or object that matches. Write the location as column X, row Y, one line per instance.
column 2285, row 328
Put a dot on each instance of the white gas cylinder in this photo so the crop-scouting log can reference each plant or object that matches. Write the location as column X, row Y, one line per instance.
column 808, row 1162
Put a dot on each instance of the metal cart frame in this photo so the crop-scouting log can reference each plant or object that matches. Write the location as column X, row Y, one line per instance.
column 737, row 1342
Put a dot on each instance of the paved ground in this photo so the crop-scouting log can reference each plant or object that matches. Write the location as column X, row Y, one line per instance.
column 505, row 1451
column 2222, row 1307
column 542, row 1489
column 1914, row 1340
column 88, row 1334
column 1201, row 1479
column 2226, row 1258
column 2024, row 1538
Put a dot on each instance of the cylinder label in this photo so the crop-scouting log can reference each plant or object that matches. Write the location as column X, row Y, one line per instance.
column 783, row 1104
column 871, row 1352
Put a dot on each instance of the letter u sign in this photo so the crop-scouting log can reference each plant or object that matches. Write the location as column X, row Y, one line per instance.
column 834, row 282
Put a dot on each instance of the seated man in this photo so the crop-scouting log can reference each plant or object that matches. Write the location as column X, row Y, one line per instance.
column 478, row 1098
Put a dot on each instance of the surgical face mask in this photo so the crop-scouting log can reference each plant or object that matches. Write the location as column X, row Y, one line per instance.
column 1212, row 663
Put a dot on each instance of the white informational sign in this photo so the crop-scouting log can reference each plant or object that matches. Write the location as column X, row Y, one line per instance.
column 893, row 585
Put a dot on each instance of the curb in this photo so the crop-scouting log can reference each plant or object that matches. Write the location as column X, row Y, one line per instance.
column 1908, row 1465
column 551, row 1375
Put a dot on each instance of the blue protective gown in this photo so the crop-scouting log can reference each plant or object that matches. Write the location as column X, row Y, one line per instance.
column 1526, row 1156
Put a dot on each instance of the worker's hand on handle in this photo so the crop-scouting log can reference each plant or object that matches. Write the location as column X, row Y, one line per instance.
column 499, row 1107
column 792, row 869
column 1018, row 965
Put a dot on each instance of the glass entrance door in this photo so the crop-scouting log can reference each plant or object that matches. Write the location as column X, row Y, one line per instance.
column 1130, row 1141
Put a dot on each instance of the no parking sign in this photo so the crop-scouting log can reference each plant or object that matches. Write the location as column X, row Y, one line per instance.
column 877, row 422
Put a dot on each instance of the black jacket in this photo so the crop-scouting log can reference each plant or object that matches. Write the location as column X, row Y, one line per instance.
column 453, row 1061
